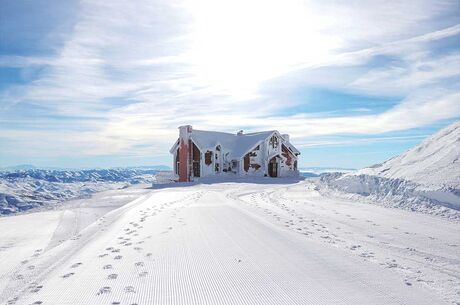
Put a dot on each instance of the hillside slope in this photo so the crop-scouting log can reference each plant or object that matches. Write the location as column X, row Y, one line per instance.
column 435, row 162
column 425, row 178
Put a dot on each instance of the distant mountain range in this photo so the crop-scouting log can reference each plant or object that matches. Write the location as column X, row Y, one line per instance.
column 23, row 189
column 320, row 170
column 22, row 167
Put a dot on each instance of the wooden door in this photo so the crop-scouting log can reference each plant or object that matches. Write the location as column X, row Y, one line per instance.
column 273, row 168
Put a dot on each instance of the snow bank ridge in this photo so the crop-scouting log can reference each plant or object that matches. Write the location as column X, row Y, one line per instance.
column 424, row 178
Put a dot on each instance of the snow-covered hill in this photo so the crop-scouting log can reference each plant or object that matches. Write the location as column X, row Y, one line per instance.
column 424, row 178
column 434, row 163
column 27, row 189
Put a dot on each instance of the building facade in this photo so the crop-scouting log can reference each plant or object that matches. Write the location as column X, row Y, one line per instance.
column 199, row 153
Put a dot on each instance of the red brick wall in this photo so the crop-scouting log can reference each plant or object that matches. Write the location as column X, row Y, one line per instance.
column 184, row 161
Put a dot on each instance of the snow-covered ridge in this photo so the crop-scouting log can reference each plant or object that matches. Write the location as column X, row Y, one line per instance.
column 425, row 178
column 435, row 163
column 26, row 189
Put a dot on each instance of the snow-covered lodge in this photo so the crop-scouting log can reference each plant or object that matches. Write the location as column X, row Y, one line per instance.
column 199, row 153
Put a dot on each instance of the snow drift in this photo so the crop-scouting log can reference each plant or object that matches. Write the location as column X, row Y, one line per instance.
column 434, row 163
column 426, row 177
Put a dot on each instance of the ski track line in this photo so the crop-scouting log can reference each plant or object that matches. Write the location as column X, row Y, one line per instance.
column 209, row 245
column 253, row 262
column 285, row 277
column 362, row 282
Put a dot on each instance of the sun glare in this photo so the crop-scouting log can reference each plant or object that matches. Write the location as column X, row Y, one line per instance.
column 238, row 44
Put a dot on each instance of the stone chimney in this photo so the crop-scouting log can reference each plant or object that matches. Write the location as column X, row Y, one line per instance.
column 185, row 131
column 239, row 133
column 285, row 136
column 184, row 153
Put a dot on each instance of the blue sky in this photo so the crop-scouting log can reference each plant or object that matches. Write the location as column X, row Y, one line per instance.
column 106, row 83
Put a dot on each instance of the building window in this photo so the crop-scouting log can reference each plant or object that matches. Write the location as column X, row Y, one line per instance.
column 274, row 142
column 208, row 157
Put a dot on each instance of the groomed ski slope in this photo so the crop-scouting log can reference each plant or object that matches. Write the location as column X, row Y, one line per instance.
column 235, row 243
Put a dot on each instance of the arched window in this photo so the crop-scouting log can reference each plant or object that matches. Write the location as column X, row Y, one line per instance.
column 274, row 141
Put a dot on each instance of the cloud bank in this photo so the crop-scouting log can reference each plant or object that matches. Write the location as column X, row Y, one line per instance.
column 128, row 73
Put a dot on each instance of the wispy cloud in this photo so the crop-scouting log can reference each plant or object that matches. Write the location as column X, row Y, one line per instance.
column 142, row 68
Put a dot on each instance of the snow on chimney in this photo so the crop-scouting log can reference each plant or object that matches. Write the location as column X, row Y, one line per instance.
column 239, row 133
column 285, row 136
column 185, row 131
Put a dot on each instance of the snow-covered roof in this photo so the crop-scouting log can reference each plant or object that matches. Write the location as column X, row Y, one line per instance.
column 292, row 148
column 237, row 145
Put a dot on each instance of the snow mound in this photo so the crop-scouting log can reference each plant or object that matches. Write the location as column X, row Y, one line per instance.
column 425, row 178
column 434, row 163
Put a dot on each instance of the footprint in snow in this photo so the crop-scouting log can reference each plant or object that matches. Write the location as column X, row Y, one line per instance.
column 12, row 301
column 67, row 275
column 102, row 255
column 37, row 303
column 130, row 289
column 103, row 290
column 76, row 265
column 143, row 274
column 106, row 267
column 354, row 247
column 36, row 288
column 112, row 276
column 118, row 257
column 139, row 264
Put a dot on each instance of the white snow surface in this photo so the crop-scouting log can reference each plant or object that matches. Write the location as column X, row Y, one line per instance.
column 425, row 178
column 248, row 242
column 434, row 163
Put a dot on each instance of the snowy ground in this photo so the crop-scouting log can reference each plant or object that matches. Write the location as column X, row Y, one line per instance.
column 229, row 243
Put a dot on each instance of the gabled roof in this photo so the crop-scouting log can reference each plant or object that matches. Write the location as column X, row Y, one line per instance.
column 292, row 148
column 238, row 145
